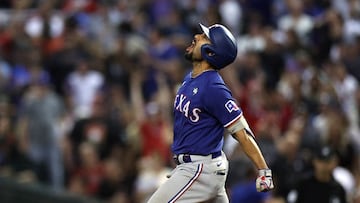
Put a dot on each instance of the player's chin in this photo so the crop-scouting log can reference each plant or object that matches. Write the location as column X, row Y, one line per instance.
column 188, row 55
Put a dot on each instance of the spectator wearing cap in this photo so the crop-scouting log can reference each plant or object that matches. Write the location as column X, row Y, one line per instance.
column 321, row 186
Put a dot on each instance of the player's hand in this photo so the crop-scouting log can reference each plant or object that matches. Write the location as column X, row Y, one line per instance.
column 264, row 181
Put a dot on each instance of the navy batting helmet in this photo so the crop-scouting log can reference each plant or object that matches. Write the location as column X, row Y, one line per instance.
column 223, row 49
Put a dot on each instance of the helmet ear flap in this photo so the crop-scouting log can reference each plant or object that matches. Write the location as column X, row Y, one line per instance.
column 207, row 51
column 209, row 54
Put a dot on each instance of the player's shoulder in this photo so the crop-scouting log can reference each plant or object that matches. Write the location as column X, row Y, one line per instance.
column 215, row 81
column 214, row 78
column 215, row 85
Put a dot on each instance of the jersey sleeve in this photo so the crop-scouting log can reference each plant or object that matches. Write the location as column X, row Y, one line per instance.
column 220, row 103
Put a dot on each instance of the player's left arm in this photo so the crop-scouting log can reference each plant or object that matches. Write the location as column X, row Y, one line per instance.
column 241, row 132
column 225, row 109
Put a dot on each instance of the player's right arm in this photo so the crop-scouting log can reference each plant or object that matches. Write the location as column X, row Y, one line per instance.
column 241, row 132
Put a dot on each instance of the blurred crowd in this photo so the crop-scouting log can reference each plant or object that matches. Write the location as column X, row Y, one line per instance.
column 87, row 89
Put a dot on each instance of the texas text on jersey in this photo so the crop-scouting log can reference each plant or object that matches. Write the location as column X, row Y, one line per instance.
column 203, row 107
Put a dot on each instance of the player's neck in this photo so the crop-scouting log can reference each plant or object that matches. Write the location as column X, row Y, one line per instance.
column 199, row 68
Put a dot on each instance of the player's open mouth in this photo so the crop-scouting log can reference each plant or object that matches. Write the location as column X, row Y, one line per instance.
column 191, row 46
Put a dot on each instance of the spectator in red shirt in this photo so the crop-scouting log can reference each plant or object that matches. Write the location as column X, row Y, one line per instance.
column 87, row 177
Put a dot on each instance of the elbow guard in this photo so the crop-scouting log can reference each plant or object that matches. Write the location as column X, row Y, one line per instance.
column 240, row 124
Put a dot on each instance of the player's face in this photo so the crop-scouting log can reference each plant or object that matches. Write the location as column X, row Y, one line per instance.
column 193, row 52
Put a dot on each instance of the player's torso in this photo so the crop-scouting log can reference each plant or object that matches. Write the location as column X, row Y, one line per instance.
column 196, row 129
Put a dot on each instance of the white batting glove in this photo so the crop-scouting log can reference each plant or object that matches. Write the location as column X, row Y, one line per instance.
column 264, row 181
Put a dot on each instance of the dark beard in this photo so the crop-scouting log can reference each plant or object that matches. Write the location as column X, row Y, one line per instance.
column 189, row 56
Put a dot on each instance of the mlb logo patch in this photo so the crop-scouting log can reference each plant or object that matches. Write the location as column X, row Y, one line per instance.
column 231, row 106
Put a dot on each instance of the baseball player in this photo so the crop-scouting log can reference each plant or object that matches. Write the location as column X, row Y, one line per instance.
column 203, row 108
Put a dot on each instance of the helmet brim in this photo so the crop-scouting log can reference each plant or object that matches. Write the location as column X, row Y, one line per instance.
column 205, row 30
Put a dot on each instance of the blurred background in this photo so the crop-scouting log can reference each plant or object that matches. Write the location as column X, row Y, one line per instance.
column 87, row 89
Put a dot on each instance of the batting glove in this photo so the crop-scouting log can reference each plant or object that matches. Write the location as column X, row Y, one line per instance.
column 264, row 181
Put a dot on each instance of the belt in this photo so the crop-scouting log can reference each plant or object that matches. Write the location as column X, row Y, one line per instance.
column 187, row 158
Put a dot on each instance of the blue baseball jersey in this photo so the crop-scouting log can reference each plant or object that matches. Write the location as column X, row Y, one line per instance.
column 203, row 107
